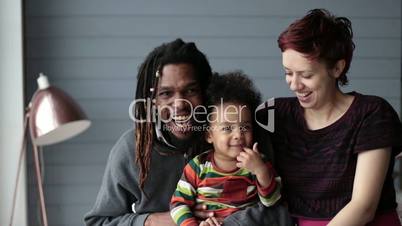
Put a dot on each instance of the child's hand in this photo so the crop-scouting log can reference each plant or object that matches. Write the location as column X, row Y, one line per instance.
column 251, row 160
column 212, row 221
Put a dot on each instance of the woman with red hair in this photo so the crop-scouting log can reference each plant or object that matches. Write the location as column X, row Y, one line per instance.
column 334, row 150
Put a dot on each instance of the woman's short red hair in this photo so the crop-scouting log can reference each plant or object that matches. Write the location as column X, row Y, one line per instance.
column 321, row 36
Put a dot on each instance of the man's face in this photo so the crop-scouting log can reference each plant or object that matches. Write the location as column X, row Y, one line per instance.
column 177, row 94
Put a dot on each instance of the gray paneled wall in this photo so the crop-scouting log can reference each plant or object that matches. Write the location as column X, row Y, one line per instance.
column 92, row 49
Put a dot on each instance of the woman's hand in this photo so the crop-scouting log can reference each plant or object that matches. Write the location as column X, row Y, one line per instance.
column 157, row 219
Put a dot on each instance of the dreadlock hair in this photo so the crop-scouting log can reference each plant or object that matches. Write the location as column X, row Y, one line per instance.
column 150, row 71
column 234, row 87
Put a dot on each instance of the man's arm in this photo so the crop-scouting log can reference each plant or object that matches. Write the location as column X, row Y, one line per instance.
column 113, row 205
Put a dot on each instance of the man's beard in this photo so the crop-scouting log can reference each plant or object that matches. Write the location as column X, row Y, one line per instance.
column 175, row 141
column 179, row 142
column 184, row 142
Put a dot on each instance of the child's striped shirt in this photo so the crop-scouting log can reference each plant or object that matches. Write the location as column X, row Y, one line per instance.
column 223, row 192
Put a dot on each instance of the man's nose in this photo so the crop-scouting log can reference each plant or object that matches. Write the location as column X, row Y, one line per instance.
column 179, row 102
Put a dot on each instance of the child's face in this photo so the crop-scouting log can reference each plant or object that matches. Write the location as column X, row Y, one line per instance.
column 230, row 130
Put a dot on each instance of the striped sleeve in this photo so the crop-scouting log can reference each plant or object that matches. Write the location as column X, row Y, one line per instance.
column 272, row 193
column 184, row 196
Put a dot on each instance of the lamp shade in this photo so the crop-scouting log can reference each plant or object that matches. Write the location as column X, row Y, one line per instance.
column 54, row 115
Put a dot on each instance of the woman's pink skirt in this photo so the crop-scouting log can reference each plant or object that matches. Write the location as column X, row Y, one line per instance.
column 385, row 219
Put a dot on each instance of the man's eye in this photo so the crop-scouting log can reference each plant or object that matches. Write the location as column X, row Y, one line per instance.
column 164, row 94
column 227, row 128
column 192, row 91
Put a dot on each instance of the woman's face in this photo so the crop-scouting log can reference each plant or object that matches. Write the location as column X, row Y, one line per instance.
column 312, row 82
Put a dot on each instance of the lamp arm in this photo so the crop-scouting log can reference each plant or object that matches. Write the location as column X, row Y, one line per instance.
column 22, row 153
column 39, row 180
column 37, row 172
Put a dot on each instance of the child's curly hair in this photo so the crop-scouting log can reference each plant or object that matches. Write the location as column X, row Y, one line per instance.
column 233, row 87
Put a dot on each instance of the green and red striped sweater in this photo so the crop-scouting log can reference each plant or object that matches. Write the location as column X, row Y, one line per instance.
column 224, row 193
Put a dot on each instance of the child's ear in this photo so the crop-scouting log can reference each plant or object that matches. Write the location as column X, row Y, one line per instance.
column 208, row 136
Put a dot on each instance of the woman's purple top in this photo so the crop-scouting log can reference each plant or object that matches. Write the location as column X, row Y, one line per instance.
column 318, row 166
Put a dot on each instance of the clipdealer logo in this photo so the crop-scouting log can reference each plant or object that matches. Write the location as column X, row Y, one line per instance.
column 152, row 112
column 268, row 105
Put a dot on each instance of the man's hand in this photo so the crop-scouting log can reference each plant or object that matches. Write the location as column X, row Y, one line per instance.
column 212, row 221
column 200, row 211
column 157, row 219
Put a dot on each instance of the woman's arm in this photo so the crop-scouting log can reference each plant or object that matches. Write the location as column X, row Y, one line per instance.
column 371, row 170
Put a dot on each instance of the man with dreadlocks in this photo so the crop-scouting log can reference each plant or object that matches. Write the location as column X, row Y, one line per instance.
column 146, row 163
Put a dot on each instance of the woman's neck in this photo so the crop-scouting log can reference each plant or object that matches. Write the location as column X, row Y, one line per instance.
column 330, row 112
